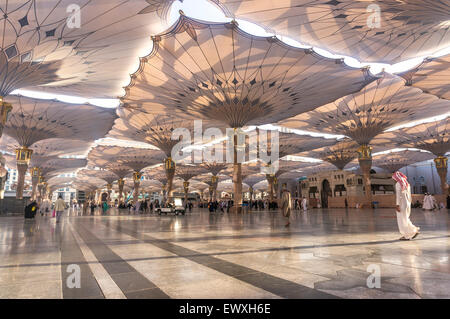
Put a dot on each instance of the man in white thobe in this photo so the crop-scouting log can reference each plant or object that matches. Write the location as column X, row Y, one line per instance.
column 403, row 208
column 427, row 202
column 304, row 204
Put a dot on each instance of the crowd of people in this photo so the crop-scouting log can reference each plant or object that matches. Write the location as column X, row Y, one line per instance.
column 144, row 206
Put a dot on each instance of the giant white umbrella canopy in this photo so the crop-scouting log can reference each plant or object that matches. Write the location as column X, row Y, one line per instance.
column 44, row 151
column 58, row 181
column 395, row 160
column 292, row 143
column 88, row 183
column 133, row 157
column 187, row 172
column 108, row 176
column 339, row 154
column 362, row 116
column 252, row 180
column 51, row 167
column 227, row 186
column 218, row 72
column 432, row 76
column 84, row 48
column 118, row 169
column 34, row 120
column 211, row 180
column 387, row 31
column 431, row 136
column 48, row 147
column 155, row 129
column 274, row 170
column 147, row 185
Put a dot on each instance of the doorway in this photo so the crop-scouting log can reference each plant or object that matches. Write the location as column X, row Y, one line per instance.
column 326, row 191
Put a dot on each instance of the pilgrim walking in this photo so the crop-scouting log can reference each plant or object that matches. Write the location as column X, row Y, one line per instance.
column 403, row 207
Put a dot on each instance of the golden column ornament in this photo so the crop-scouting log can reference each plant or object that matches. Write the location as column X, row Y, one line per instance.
column 23, row 157
column 120, row 183
column 137, row 181
column 365, row 163
column 35, row 175
column 169, row 167
column 186, row 190
column 5, row 109
column 441, row 163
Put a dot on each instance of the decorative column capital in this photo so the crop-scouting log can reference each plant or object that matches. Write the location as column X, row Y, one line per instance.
column 137, row 176
column 441, row 162
column 23, row 155
column 35, row 172
column 169, row 164
column 364, row 152
column 5, row 109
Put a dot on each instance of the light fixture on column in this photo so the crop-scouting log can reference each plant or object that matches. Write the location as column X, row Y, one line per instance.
column 23, row 155
column 137, row 176
column 5, row 109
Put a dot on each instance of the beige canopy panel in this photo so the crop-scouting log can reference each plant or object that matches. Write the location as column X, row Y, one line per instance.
column 60, row 181
column 144, row 184
column 89, row 180
column 394, row 161
column 186, row 172
column 262, row 185
column 214, row 168
column 156, row 173
column 33, row 120
column 319, row 167
column 217, row 71
column 48, row 147
column 286, row 166
column 432, row 76
column 372, row 31
column 84, row 48
column 433, row 137
column 248, row 168
column 61, row 165
column 108, row 176
column 292, row 143
column 132, row 157
column 155, row 129
column 207, row 177
column 380, row 105
column 339, row 154
column 254, row 179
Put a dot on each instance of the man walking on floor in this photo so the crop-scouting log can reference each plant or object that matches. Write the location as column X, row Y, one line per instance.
column 60, row 206
column 403, row 207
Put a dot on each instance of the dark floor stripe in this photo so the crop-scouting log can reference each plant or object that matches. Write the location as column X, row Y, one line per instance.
column 130, row 281
column 278, row 286
column 71, row 254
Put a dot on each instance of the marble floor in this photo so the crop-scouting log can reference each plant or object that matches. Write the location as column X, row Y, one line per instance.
column 324, row 253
